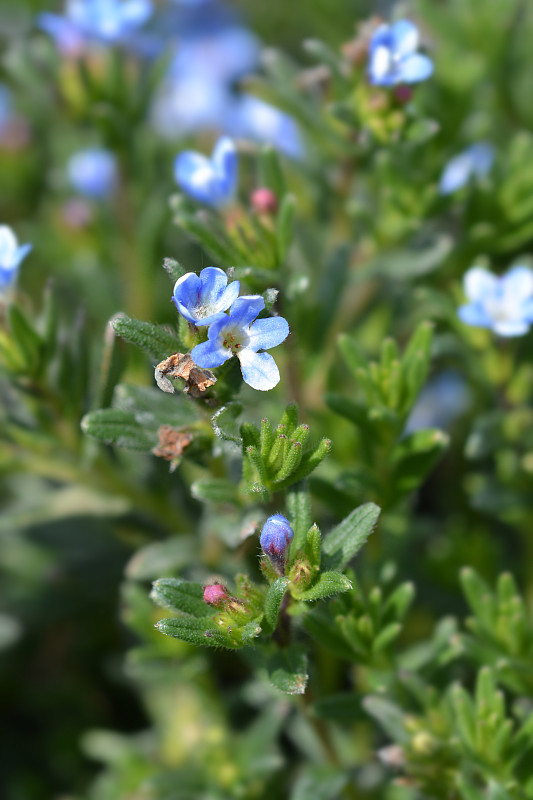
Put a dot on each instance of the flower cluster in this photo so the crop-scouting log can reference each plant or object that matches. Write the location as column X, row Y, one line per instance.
column 11, row 255
column 505, row 305
column 203, row 300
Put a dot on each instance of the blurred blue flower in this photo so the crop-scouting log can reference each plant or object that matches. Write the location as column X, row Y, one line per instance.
column 6, row 106
column 11, row 255
column 475, row 161
column 503, row 304
column 393, row 58
column 93, row 172
column 106, row 21
column 260, row 121
column 210, row 180
column 238, row 334
column 203, row 298
column 275, row 540
column 445, row 397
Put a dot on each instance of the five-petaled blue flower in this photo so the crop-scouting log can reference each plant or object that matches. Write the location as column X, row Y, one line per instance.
column 93, row 172
column 393, row 58
column 210, row 180
column 203, row 298
column 106, row 21
column 238, row 334
column 11, row 254
column 474, row 162
column 275, row 540
column 503, row 304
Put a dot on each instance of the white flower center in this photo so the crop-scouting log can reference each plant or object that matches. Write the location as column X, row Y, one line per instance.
column 234, row 339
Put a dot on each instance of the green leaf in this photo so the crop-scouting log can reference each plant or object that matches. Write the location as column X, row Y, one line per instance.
column 344, row 706
column 464, row 715
column 479, row 596
column 285, row 225
column 118, row 427
column 319, row 782
column 215, row 490
column 158, row 558
column 348, row 408
column 214, row 242
column 399, row 601
column 273, row 600
column 322, row 626
column 179, row 595
column 270, row 171
column 224, row 422
column 153, row 339
column 353, row 356
column 390, row 716
column 415, row 457
column 25, row 336
column 196, row 631
column 287, row 670
column 387, row 635
column 415, row 363
column 112, row 366
column 344, row 541
column 327, row 585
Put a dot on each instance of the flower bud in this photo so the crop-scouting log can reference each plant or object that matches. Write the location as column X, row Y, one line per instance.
column 216, row 595
column 276, row 537
column 264, row 201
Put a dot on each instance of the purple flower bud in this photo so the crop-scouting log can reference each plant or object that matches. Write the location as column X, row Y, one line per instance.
column 276, row 537
column 215, row 594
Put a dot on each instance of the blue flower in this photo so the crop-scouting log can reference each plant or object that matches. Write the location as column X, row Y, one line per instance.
column 393, row 58
column 11, row 255
column 203, row 298
column 93, row 172
column 106, row 21
column 210, row 180
column 474, row 162
column 262, row 122
column 238, row 334
column 275, row 540
column 503, row 304
column 440, row 402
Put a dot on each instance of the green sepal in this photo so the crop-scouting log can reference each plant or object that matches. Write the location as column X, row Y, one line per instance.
column 270, row 296
column 266, row 438
column 273, row 600
column 179, row 595
column 174, row 269
column 327, row 585
column 153, row 339
column 224, row 422
column 287, row 670
column 313, row 546
column 309, row 462
column 345, row 540
column 289, row 419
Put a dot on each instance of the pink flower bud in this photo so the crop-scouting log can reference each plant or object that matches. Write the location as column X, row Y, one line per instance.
column 264, row 201
column 215, row 594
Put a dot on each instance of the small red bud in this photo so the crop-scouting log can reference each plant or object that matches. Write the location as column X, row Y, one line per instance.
column 215, row 594
column 403, row 93
column 264, row 201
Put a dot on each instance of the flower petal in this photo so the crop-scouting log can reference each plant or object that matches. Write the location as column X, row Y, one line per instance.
column 267, row 333
column 517, row 284
column 482, row 156
column 414, row 68
column 475, row 315
column 478, row 283
column 379, row 67
column 229, row 295
column 22, row 252
column 135, row 12
column 457, row 173
column 186, row 295
column 210, row 354
column 8, row 245
column 259, row 370
column 510, row 328
column 245, row 309
column 404, row 38
column 225, row 164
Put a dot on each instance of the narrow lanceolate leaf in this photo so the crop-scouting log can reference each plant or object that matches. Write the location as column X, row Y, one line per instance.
column 118, row 427
column 26, row 337
column 352, row 355
column 309, row 462
column 479, row 596
column 224, row 422
column 285, row 225
column 390, row 716
column 178, row 595
column 153, row 339
column 344, row 541
column 386, row 636
column 215, row 490
column 173, row 269
column 287, row 670
column 416, row 455
column 327, row 585
column 273, row 600
column 299, row 510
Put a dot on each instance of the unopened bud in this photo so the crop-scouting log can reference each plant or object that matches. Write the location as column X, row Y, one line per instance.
column 216, row 595
column 264, row 201
column 275, row 540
